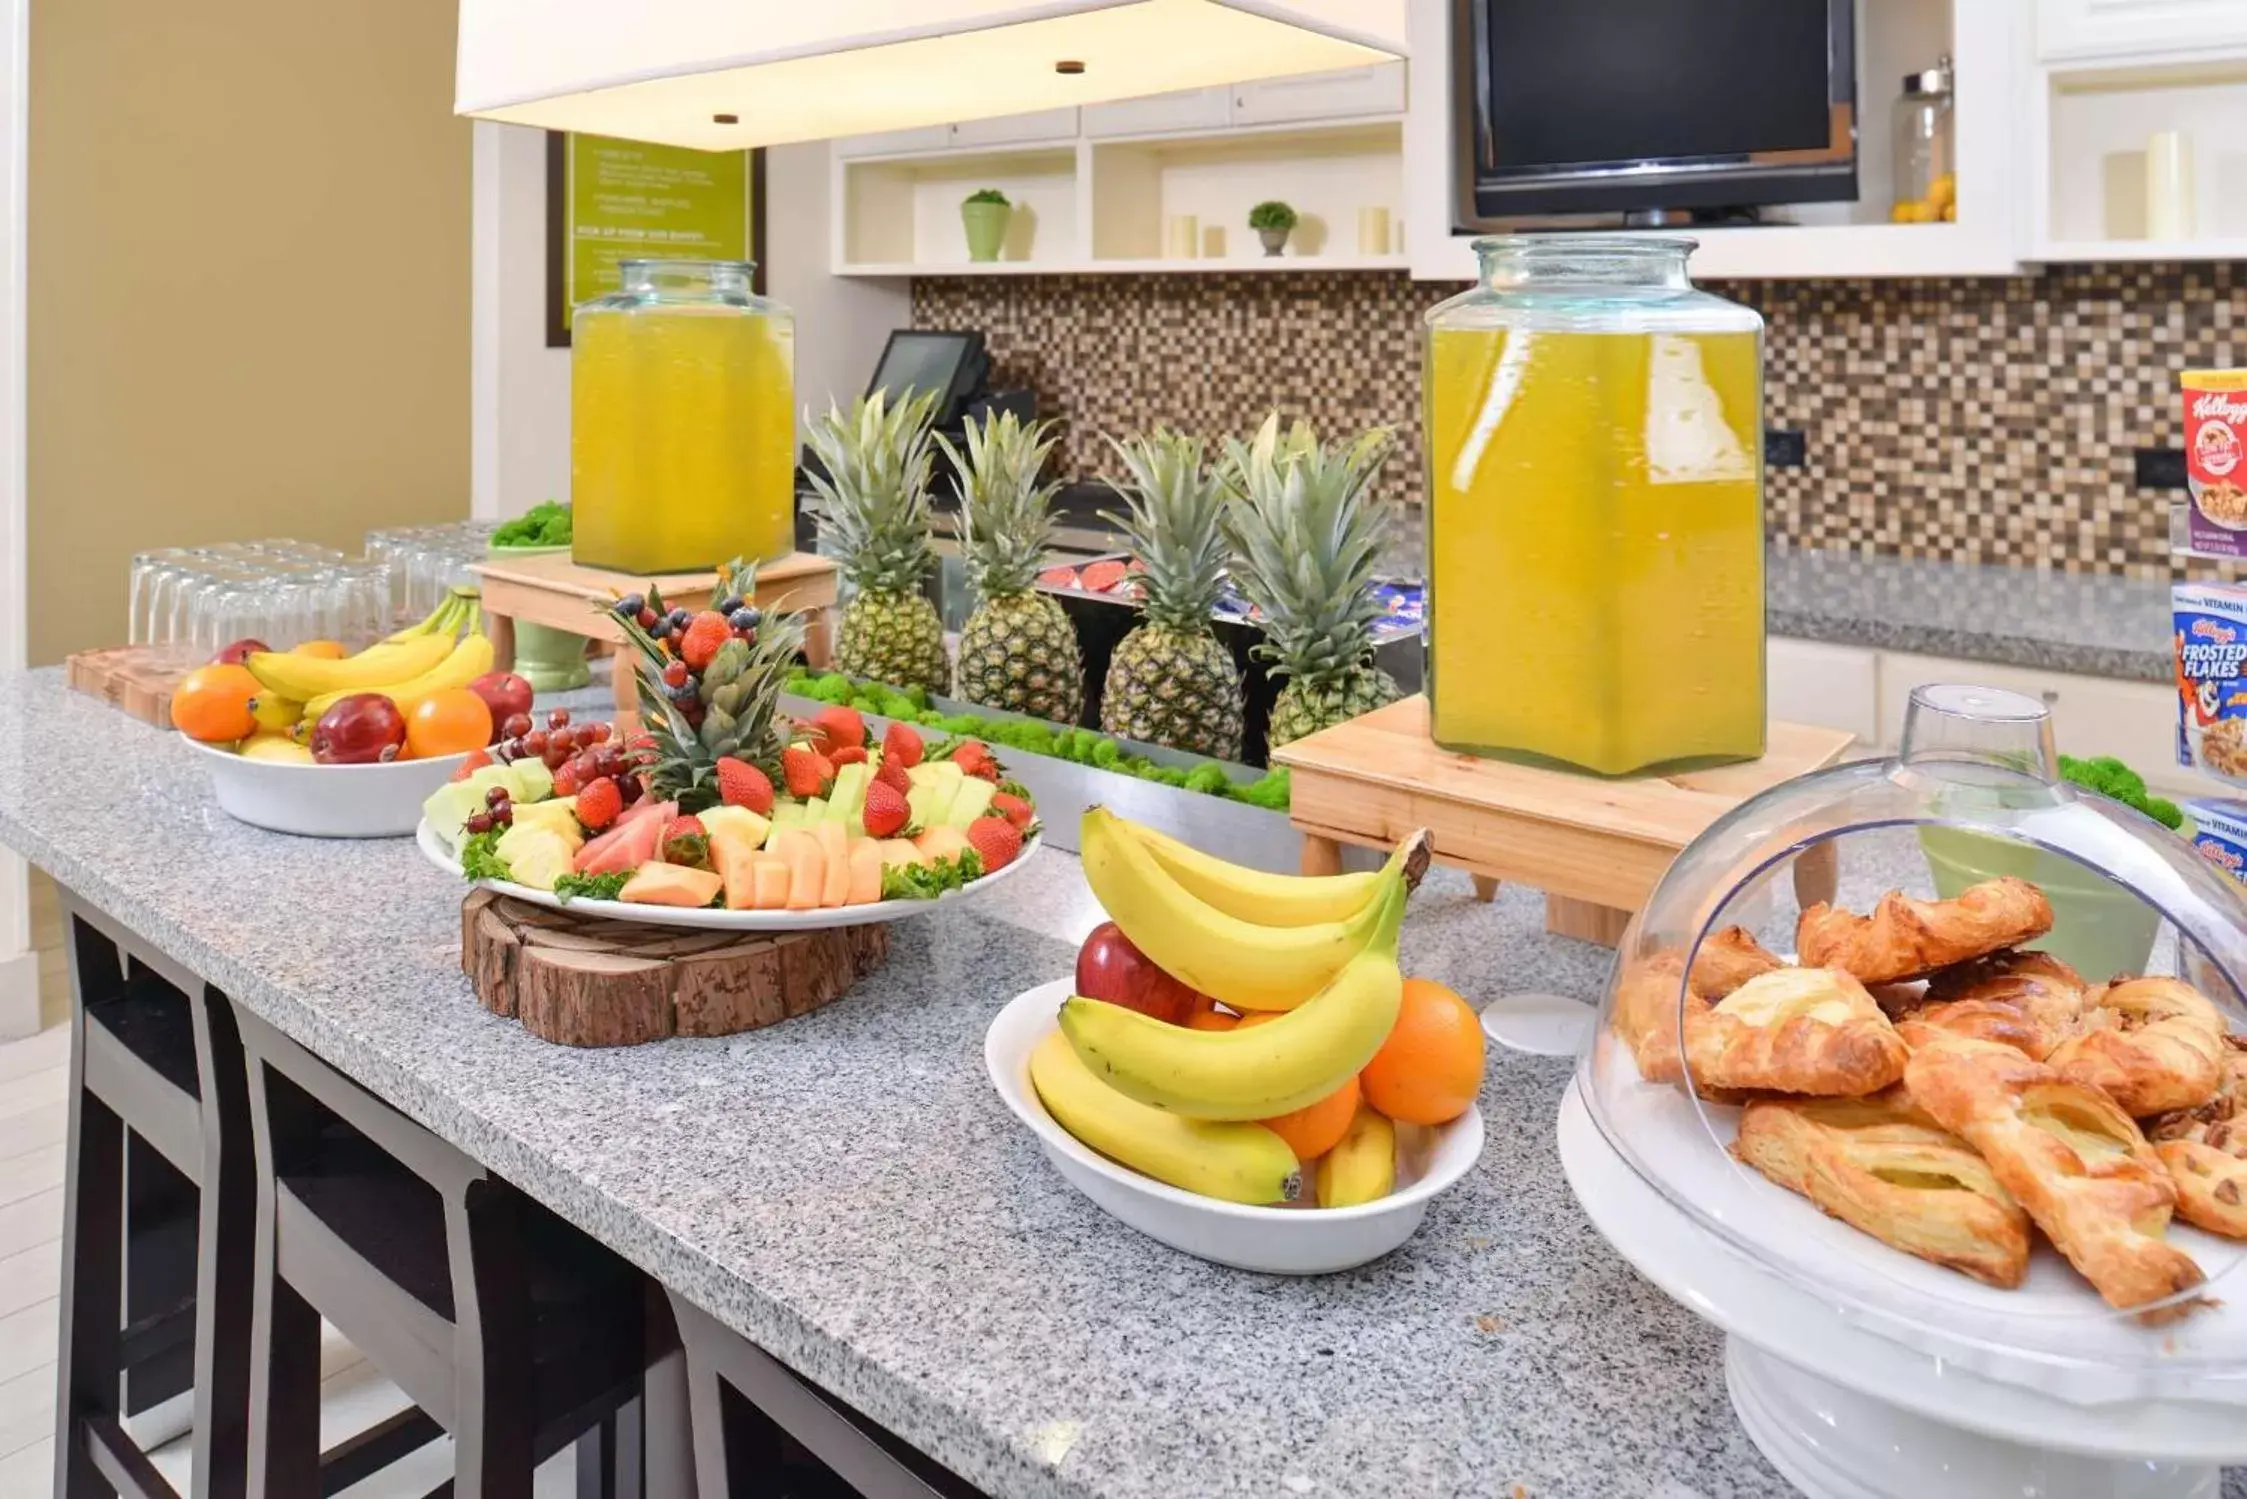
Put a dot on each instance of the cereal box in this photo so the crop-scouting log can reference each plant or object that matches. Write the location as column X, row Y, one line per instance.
column 2210, row 621
column 2219, row 831
column 2216, row 460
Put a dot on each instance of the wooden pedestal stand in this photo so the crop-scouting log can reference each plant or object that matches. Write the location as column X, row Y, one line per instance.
column 552, row 590
column 1594, row 847
column 589, row 981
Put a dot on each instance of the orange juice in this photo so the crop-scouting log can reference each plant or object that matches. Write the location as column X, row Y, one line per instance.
column 1595, row 545
column 682, row 433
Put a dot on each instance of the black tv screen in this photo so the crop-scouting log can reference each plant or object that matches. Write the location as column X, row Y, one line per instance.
column 1602, row 105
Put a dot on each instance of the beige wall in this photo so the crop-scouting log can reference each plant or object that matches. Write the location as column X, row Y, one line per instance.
column 248, row 284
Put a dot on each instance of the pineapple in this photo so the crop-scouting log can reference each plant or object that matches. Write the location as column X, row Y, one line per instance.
column 1307, row 539
column 732, row 709
column 1170, row 681
column 1018, row 650
column 873, row 512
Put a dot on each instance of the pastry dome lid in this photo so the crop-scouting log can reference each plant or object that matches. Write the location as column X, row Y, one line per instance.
column 1973, row 792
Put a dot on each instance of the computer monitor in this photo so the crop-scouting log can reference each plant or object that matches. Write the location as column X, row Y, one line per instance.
column 918, row 360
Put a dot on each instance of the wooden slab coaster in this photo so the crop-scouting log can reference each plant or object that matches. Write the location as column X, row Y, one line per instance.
column 581, row 980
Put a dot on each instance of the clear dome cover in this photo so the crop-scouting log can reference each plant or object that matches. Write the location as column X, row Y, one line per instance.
column 1973, row 792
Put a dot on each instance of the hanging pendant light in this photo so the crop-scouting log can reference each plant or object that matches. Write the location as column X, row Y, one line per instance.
column 728, row 74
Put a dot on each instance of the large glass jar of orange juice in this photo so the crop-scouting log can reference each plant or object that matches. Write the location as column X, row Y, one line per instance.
column 1594, row 440
column 682, row 420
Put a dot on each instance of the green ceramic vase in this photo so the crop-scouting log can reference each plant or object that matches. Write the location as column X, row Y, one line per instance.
column 550, row 660
column 2099, row 928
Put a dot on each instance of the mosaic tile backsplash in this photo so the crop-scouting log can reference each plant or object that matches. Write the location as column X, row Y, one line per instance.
column 1986, row 420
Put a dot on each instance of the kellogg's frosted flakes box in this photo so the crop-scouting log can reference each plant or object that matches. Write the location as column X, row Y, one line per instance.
column 2219, row 832
column 2210, row 620
column 2216, row 459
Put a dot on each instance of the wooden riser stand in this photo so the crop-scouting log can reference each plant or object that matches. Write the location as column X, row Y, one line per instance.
column 1595, row 847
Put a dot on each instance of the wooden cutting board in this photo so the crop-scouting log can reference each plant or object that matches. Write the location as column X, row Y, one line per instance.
column 580, row 980
column 131, row 677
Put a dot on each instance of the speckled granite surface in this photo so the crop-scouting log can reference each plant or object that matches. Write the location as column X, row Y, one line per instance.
column 2095, row 625
column 847, row 1190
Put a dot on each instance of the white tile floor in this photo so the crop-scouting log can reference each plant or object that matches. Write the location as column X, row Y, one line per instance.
column 33, row 1124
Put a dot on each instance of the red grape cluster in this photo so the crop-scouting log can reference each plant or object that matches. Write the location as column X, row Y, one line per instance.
column 603, row 758
column 499, row 812
column 553, row 745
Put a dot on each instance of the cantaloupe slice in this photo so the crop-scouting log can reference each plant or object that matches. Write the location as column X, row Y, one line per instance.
column 735, row 859
column 771, row 878
column 807, row 868
column 942, row 842
column 865, row 873
column 834, row 849
column 670, row 885
column 896, row 851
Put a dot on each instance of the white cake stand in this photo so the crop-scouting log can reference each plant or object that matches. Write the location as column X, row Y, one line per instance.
column 1846, row 1413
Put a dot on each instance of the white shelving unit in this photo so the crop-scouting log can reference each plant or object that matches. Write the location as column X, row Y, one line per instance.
column 2092, row 120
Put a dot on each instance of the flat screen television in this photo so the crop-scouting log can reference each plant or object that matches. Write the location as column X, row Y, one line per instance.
column 1651, row 110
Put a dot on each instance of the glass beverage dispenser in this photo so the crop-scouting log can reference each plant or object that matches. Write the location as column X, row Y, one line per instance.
column 1594, row 431
column 682, row 421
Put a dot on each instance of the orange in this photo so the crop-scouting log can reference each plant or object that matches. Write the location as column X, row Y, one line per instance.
column 448, row 723
column 324, row 650
column 1430, row 1068
column 214, row 703
column 1205, row 1016
column 1316, row 1128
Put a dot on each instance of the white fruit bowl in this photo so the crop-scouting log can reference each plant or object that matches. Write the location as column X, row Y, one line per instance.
column 325, row 801
column 1298, row 1240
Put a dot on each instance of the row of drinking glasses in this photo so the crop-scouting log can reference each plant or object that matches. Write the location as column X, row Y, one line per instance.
column 191, row 602
column 423, row 562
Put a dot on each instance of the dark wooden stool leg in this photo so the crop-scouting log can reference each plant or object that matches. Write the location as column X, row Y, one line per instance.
column 284, row 1420
column 226, row 1258
column 493, row 1433
column 87, row 1372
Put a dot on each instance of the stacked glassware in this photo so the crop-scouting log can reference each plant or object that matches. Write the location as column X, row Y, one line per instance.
column 424, row 561
column 190, row 602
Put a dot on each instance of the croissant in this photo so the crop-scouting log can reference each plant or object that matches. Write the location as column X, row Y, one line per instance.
column 1909, row 939
column 2205, row 1150
column 2028, row 1000
column 2073, row 1159
column 2155, row 1044
column 1646, row 1001
column 1795, row 1030
column 1882, row 1166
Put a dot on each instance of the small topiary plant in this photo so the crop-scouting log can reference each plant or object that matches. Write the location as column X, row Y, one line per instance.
column 1271, row 214
column 988, row 195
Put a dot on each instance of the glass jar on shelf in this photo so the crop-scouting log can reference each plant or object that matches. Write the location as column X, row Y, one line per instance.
column 1924, row 160
column 1594, row 447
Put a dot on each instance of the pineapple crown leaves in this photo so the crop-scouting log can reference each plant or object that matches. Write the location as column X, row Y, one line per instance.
column 1172, row 504
column 1006, row 522
column 872, row 496
column 1307, row 538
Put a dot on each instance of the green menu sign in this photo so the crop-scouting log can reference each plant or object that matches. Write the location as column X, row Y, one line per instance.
column 615, row 200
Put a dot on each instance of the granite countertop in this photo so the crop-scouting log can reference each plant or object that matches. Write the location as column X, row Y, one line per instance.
column 847, row 1190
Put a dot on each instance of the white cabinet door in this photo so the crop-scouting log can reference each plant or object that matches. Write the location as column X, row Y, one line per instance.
column 895, row 142
column 1157, row 114
column 2083, row 30
column 1830, row 686
column 1018, row 130
column 1374, row 90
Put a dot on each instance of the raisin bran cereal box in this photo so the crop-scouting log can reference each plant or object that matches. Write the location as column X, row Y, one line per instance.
column 2210, row 622
column 2216, row 460
column 2219, row 831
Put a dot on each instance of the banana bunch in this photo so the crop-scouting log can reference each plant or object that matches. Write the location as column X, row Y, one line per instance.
column 447, row 649
column 1181, row 1104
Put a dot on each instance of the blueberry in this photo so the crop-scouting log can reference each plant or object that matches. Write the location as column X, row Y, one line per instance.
column 729, row 603
column 630, row 605
column 679, row 617
column 742, row 619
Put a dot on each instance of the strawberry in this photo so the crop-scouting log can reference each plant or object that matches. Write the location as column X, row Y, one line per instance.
column 702, row 637
column 599, row 803
column 741, row 784
column 476, row 761
column 892, row 774
column 996, row 840
column 849, row 754
column 886, row 812
column 974, row 759
column 685, row 842
column 806, row 771
column 844, row 728
column 901, row 743
column 1014, row 809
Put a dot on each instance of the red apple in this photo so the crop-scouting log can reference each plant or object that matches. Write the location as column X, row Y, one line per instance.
column 1110, row 968
column 365, row 728
column 238, row 652
column 505, row 694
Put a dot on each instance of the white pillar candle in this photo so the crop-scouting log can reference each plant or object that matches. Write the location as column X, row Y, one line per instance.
column 2169, row 195
column 1373, row 230
column 1185, row 237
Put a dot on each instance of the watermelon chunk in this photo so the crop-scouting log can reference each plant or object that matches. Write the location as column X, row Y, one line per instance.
column 634, row 815
column 626, row 853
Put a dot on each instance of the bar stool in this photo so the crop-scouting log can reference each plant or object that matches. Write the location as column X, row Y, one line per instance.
column 155, row 1287
column 761, row 1429
column 507, row 1327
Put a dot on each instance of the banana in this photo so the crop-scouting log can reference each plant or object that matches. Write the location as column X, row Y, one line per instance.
column 303, row 678
column 274, row 713
column 448, row 618
column 468, row 659
column 1363, row 1167
column 1252, row 1072
column 1237, row 1162
column 1248, row 965
column 1252, row 895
